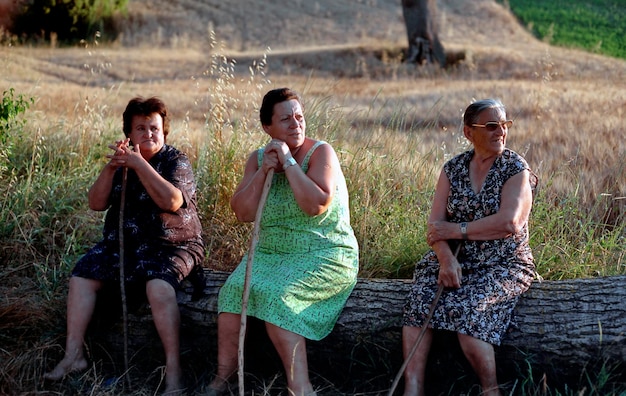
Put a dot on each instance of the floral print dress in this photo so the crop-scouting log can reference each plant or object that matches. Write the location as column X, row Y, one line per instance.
column 304, row 267
column 495, row 272
column 158, row 244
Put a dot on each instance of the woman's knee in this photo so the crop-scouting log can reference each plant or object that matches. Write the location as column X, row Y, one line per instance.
column 477, row 350
column 229, row 320
column 160, row 291
column 80, row 284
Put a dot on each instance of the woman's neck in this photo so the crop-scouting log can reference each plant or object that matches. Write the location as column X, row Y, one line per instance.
column 484, row 160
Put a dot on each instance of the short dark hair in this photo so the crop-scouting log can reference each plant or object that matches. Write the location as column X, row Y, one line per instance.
column 473, row 111
column 145, row 107
column 271, row 98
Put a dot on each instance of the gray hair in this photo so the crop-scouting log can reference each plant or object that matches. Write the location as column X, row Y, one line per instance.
column 473, row 111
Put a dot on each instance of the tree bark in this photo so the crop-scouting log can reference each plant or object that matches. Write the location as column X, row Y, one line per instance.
column 420, row 19
column 559, row 328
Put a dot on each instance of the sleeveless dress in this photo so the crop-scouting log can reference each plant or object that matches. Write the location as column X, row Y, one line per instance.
column 495, row 272
column 304, row 267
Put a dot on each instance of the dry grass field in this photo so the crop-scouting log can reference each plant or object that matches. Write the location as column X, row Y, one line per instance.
column 569, row 106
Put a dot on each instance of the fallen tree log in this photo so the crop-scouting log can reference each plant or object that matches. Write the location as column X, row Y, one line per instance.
column 559, row 328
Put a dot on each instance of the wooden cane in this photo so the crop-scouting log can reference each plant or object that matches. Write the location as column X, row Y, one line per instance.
column 246, row 286
column 122, row 276
column 431, row 311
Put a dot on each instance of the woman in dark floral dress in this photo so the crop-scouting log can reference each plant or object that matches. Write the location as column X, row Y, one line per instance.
column 482, row 201
column 162, row 235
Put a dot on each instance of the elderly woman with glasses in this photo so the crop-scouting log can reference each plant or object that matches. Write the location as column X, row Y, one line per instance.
column 479, row 257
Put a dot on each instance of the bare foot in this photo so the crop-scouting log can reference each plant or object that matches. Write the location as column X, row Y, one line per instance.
column 65, row 367
column 218, row 387
column 495, row 391
column 173, row 391
column 173, row 383
column 306, row 391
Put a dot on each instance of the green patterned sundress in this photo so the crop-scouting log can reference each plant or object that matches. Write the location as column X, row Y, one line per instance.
column 304, row 267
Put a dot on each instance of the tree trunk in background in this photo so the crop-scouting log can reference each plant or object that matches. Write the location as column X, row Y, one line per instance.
column 559, row 328
column 420, row 18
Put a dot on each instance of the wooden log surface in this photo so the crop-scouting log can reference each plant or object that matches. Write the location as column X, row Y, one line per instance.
column 559, row 327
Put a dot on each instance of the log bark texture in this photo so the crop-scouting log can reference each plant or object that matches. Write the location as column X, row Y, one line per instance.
column 559, row 328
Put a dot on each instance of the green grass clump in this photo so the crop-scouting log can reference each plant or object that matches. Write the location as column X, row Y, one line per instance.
column 596, row 26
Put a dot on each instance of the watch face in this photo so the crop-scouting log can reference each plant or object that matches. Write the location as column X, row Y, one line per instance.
column 291, row 161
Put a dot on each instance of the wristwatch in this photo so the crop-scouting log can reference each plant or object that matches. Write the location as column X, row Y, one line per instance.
column 289, row 163
column 463, row 226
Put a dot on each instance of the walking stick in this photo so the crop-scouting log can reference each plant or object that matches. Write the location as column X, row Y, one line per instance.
column 246, row 286
column 431, row 311
column 122, row 276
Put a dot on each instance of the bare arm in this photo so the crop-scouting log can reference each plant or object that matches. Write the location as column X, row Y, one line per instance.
column 315, row 189
column 449, row 268
column 162, row 192
column 101, row 189
column 515, row 206
column 245, row 200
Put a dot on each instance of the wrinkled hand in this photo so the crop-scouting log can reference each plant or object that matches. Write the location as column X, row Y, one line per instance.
column 276, row 153
column 450, row 273
column 124, row 155
column 437, row 231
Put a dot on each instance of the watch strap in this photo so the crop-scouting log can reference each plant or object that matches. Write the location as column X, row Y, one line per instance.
column 291, row 161
column 463, row 227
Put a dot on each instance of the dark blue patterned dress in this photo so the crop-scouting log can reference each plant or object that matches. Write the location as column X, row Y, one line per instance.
column 158, row 244
column 495, row 272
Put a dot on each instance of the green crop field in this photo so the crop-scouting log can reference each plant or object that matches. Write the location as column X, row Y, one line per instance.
column 598, row 26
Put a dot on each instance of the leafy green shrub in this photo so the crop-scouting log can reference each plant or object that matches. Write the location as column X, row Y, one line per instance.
column 11, row 108
column 69, row 20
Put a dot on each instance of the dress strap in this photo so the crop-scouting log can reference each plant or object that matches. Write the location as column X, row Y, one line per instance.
column 259, row 156
column 307, row 157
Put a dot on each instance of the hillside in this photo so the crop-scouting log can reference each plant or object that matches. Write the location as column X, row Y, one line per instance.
column 169, row 40
column 248, row 25
column 347, row 52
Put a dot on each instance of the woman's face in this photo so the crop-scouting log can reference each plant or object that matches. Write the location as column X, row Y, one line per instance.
column 487, row 141
column 147, row 133
column 288, row 123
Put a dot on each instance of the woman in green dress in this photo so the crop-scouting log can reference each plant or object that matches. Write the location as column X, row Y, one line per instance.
column 306, row 260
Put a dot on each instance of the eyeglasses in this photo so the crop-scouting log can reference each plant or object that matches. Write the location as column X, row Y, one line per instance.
column 493, row 125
